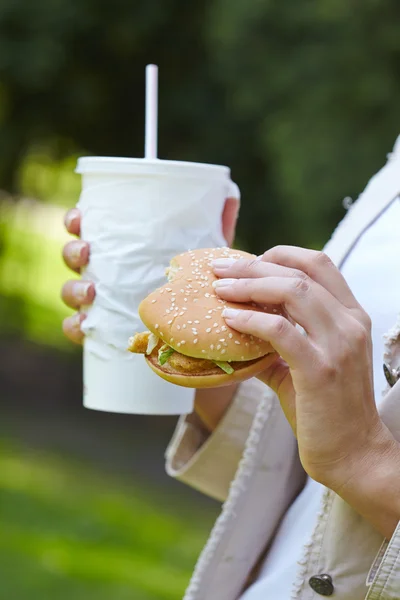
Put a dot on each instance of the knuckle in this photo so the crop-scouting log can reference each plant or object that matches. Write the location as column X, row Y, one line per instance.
column 366, row 320
column 360, row 335
column 280, row 326
column 322, row 260
column 297, row 274
column 300, row 285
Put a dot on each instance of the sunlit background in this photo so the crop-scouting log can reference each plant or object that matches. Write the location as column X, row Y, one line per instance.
column 299, row 97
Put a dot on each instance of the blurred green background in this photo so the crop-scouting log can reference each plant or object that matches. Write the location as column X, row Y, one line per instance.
column 299, row 97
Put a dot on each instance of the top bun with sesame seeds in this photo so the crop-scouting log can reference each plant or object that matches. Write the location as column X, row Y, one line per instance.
column 188, row 342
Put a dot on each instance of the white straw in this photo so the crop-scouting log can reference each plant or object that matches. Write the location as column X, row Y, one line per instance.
column 150, row 140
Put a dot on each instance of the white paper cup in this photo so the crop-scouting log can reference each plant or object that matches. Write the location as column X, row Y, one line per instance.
column 136, row 215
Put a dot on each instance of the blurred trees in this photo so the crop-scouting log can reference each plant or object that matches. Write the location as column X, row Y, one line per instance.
column 299, row 98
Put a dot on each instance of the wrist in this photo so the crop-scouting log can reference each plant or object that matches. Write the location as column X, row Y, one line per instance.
column 373, row 487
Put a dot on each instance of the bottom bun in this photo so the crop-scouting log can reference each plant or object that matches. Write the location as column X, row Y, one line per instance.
column 214, row 380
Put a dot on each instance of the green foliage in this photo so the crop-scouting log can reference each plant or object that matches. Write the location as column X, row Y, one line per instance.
column 298, row 97
column 68, row 533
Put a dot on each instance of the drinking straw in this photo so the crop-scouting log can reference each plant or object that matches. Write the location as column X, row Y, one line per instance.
column 150, row 139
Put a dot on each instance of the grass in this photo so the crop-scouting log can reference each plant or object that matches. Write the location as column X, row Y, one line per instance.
column 67, row 533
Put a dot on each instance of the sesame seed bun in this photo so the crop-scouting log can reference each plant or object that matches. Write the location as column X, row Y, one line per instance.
column 186, row 315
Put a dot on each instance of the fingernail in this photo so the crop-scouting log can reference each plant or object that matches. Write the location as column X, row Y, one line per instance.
column 70, row 217
column 223, row 263
column 81, row 290
column 230, row 313
column 219, row 283
column 76, row 321
column 76, row 250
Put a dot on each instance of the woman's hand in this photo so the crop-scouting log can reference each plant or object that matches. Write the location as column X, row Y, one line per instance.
column 324, row 380
column 76, row 293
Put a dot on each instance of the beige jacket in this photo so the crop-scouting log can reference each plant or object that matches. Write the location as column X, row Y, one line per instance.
column 251, row 464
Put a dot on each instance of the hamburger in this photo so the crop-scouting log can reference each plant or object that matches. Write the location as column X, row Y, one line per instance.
column 187, row 341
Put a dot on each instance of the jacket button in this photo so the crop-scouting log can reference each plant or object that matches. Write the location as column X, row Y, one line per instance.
column 322, row 584
column 392, row 375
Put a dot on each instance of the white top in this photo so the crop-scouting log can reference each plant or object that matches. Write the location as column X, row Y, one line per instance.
column 371, row 270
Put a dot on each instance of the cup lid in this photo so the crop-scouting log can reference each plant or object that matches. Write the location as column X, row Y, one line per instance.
column 143, row 166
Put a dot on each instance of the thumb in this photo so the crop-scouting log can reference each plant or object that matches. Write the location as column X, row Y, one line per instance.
column 278, row 377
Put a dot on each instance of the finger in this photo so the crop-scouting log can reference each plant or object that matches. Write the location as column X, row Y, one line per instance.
column 72, row 328
column 229, row 218
column 307, row 303
column 252, row 268
column 292, row 346
column 76, row 254
column 77, row 293
column 316, row 265
column 72, row 221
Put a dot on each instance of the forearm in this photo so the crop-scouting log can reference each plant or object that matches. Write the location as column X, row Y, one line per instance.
column 374, row 492
column 211, row 404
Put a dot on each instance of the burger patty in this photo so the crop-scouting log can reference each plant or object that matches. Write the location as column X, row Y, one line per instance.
column 180, row 363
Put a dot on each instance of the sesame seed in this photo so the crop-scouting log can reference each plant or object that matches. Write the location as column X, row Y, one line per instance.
column 212, row 347
column 242, row 358
column 223, row 328
column 222, row 340
column 183, row 342
column 230, row 335
column 161, row 291
column 184, row 326
column 161, row 333
column 195, row 299
column 171, row 340
column 182, row 291
column 219, row 347
column 178, row 327
column 197, row 322
column 203, row 351
column 210, row 311
column 202, row 285
column 215, row 325
column 169, row 289
column 217, row 331
column 153, row 301
column 167, row 311
column 207, row 295
column 181, row 313
column 156, row 326
column 173, row 294
column 189, row 279
column 195, row 341
column 247, row 344
column 208, row 316
column 208, row 329
column 190, row 322
column 169, row 322
column 237, row 342
column 179, row 344
column 223, row 351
